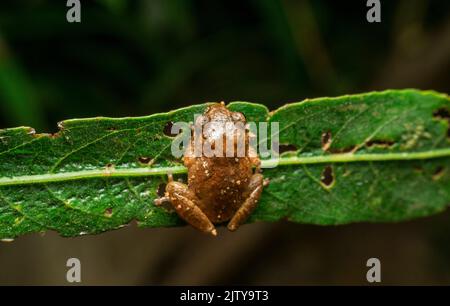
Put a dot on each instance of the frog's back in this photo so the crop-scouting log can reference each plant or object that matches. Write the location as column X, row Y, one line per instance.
column 220, row 184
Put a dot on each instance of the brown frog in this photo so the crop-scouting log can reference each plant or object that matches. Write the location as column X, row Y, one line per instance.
column 220, row 187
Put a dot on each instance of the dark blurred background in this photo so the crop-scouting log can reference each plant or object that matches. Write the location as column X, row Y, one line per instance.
column 130, row 58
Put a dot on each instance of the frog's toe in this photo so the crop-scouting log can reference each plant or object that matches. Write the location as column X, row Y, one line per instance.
column 232, row 227
column 170, row 177
column 161, row 201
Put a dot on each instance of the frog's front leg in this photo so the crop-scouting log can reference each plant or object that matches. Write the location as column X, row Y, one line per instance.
column 184, row 202
column 253, row 192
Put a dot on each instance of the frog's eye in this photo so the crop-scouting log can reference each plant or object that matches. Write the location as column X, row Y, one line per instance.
column 201, row 120
column 237, row 116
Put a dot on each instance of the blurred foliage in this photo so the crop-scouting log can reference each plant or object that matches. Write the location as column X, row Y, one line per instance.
column 140, row 57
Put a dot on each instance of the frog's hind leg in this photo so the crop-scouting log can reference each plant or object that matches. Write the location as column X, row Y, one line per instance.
column 254, row 191
column 184, row 202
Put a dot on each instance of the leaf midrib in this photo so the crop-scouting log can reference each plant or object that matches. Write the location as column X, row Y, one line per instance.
column 282, row 161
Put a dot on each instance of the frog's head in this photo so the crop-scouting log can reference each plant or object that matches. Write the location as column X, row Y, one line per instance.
column 214, row 122
column 218, row 112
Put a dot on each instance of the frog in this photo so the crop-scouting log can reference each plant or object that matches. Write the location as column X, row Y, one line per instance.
column 222, row 188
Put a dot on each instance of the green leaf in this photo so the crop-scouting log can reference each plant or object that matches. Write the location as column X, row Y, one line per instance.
column 381, row 156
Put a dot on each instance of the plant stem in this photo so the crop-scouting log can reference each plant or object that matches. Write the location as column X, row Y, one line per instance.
column 283, row 161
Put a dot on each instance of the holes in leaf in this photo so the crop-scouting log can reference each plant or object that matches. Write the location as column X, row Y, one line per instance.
column 380, row 143
column 327, row 178
column 283, row 148
column 33, row 133
column 168, row 129
column 438, row 173
column 443, row 114
column 109, row 169
column 145, row 160
column 108, row 212
column 112, row 129
column 161, row 190
column 326, row 140
column 342, row 150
